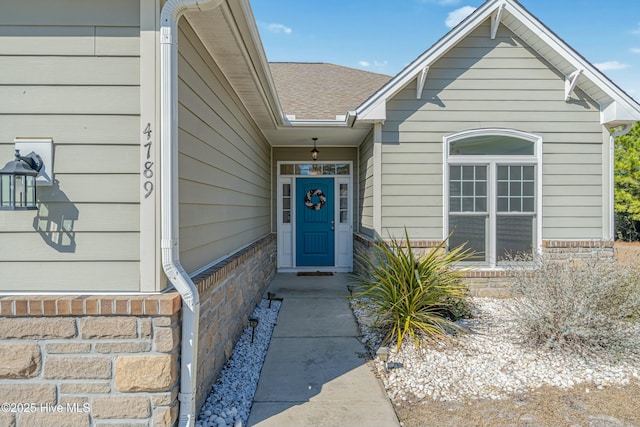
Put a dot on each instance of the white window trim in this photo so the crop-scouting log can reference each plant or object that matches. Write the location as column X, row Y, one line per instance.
column 492, row 161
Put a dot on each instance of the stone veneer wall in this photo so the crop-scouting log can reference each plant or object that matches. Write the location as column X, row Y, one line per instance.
column 229, row 291
column 89, row 360
column 495, row 282
column 101, row 361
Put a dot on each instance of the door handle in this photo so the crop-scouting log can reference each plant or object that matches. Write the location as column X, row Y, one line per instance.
column 332, row 228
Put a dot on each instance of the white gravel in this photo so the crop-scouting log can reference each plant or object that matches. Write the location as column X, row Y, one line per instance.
column 229, row 402
column 489, row 363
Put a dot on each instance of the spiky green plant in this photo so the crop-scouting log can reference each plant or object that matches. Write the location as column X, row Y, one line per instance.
column 414, row 295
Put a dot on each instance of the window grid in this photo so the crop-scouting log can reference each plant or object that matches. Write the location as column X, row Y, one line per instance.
column 468, row 188
column 315, row 169
column 286, row 203
column 516, row 188
column 344, row 203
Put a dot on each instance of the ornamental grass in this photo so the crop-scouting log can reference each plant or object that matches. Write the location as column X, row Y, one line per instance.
column 414, row 295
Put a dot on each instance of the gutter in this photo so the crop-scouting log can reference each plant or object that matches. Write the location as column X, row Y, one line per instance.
column 171, row 13
column 612, row 147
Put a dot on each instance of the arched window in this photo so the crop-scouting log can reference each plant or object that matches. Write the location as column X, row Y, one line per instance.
column 492, row 198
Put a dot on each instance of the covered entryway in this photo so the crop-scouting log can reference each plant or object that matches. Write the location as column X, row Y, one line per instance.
column 315, row 216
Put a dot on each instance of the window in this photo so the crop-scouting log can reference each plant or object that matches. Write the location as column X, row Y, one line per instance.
column 286, row 203
column 344, row 204
column 492, row 198
column 315, row 169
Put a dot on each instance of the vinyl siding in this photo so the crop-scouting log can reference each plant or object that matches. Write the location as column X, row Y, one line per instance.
column 365, row 186
column 224, row 162
column 484, row 83
column 302, row 154
column 71, row 72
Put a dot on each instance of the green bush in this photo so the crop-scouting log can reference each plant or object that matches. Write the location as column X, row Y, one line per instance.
column 576, row 304
column 627, row 229
column 414, row 295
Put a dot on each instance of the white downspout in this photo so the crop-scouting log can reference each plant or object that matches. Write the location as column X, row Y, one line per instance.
column 612, row 149
column 171, row 13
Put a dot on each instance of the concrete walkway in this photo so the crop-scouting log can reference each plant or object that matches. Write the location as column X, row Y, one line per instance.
column 315, row 373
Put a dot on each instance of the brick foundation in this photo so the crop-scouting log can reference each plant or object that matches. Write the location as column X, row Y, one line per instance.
column 495, row 282
column 100, row 360
column 229, row 292
column 90, row 360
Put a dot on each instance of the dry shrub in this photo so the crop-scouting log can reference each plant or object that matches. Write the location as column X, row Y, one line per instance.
column 587, row 303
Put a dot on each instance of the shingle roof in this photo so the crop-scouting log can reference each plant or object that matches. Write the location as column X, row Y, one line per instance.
column 319, row 91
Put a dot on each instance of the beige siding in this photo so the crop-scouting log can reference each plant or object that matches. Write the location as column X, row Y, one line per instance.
column 365, row 186
column 484, row 83
column 72, row 73
column 223, row 162
column 302, row 154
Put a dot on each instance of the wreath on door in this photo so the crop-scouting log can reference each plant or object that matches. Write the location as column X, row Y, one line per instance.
column 322, row 199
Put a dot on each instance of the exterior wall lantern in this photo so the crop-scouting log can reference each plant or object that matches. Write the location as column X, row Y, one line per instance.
column 18, row 182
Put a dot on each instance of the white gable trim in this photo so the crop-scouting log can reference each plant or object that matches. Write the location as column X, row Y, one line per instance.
column 421, row 80
column 570, row 83
column 625, row 110
column 495, row 21
column 411, row 71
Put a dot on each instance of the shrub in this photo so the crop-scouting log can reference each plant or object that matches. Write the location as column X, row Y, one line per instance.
column 577, row 303
column 627, row 229
column 413, row 295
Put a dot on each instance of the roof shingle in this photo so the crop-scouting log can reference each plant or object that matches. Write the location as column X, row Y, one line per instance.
column 320, row 91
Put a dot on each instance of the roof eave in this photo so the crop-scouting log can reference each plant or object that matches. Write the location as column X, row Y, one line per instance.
column 410, row 72
column 622, row 109
column 260, row 62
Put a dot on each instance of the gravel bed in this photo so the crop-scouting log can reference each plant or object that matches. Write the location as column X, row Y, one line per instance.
column 491, row 362
column 229, row 402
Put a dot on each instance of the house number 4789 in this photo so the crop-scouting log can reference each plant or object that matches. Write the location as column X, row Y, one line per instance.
column 148, row 164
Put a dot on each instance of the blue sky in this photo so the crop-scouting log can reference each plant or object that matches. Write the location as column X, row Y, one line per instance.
column 384, row 36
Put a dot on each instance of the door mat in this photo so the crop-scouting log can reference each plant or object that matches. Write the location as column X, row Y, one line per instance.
column 315, row 273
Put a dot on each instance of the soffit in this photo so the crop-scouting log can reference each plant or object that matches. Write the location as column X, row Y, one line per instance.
column 335, row 136
column 227, row 37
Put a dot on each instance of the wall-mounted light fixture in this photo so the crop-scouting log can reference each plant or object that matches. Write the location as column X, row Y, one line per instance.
column 314, row 152
column 18, row 182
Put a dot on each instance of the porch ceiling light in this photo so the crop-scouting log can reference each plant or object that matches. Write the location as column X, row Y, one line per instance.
column 314, row 152
column 18, row 182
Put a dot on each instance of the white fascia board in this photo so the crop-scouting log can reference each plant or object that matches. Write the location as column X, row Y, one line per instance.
column 441, row 47
column 270, row 87
column 345, row 120
column 615, row 114
column 577, row 61
column 378, row 112
column 318, row 123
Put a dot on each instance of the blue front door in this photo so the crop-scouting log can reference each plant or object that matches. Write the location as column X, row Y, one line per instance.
column 314, row 222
